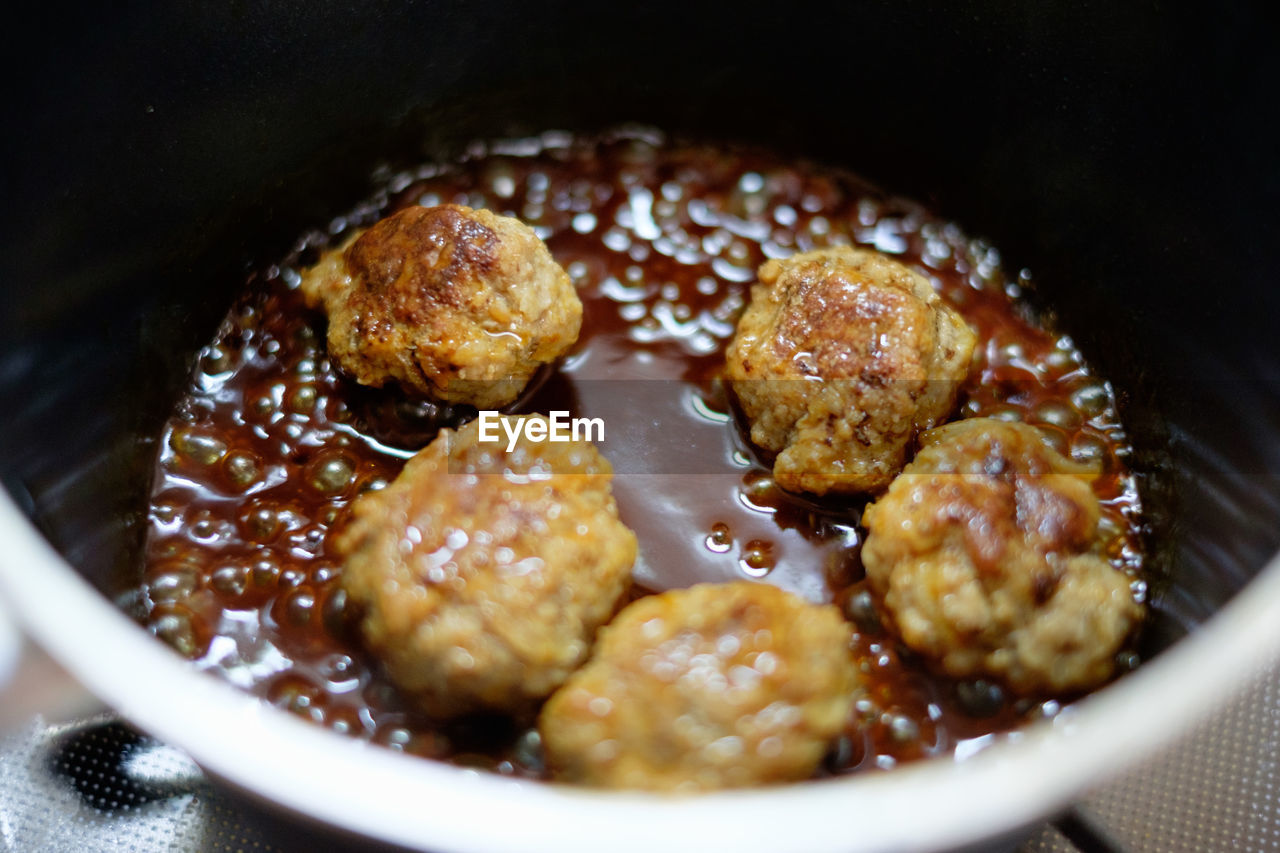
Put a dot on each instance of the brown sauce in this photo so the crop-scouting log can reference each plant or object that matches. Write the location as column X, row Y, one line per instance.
column 269, row 445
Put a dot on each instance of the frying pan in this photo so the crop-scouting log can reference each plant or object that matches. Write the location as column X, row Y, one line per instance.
column 1125, row 153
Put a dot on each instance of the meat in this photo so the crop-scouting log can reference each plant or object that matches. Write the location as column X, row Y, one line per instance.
column 482, row 574
column 986, row 553
column 455, row 304
column 713, row 686
column 840, row 358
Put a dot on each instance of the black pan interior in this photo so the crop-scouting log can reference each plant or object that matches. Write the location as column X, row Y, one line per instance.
column 1123, row 152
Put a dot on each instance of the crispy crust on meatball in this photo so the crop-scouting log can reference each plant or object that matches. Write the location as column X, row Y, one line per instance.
column 456, row 304
column 985, row 553
column 483, row 575
column 840, row 358
column 714, row 686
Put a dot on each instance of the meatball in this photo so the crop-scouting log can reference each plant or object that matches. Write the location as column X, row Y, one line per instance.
column 985, row 552
column 482, row 575
column 714, row 686
column 455, row 304
column 840, row 358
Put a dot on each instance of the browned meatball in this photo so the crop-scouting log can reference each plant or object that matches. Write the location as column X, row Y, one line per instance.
column 456, row 304
column 483, row 575
column 714, row 686
column 985, row 551
column 840, row 358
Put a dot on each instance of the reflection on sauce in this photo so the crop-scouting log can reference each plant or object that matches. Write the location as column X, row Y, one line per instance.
column 269, row 446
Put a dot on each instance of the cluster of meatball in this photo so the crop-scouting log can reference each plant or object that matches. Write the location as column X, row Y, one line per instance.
column 984, row 551
column 492, row 578
column 482, row 574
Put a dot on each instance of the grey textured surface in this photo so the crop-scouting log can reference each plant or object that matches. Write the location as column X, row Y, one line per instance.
column 1217, row 790
column 96, row 785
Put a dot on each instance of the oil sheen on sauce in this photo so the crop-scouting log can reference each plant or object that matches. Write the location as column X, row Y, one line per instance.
column 269, row 444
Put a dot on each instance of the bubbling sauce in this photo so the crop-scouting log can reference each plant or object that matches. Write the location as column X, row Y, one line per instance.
column 270, row 444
